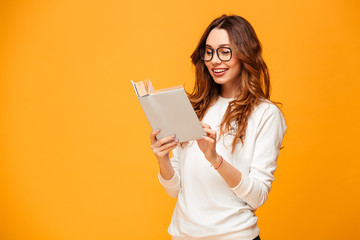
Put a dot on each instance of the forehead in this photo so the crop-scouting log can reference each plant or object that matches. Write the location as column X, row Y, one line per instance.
column 218, row 37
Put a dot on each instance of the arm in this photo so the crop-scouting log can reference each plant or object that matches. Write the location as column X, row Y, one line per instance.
column 207, row 145
column 254, row 187
column 168, row 176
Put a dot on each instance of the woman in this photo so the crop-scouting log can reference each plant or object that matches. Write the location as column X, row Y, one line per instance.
column 244, row 135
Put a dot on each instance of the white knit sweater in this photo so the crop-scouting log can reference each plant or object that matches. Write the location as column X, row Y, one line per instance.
column 207, row 208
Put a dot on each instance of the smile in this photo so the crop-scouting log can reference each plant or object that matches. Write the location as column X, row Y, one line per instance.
column 219, row 71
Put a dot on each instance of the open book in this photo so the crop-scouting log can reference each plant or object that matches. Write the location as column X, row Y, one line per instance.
column 169, row 110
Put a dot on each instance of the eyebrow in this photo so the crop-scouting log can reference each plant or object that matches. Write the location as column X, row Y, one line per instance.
column 221, row 45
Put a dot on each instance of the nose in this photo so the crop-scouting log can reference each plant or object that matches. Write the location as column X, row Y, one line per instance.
column 215, row 59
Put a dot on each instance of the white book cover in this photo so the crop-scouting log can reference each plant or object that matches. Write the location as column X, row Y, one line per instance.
column 170, row 110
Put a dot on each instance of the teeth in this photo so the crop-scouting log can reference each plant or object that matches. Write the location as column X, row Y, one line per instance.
column 219, row 70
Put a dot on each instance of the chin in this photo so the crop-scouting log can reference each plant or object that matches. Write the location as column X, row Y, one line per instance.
column 220, row 81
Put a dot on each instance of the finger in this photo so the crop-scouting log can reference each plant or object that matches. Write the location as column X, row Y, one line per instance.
column 204, row 125
column 209, row 140
column 165, row 140
column 153, row 135
column 169, row 146
column 210, row 133
column 166, row 152
column 165, row 149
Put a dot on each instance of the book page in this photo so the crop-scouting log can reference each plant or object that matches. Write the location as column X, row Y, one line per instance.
column 148, row 86
column 167, row 89
column 143, row 87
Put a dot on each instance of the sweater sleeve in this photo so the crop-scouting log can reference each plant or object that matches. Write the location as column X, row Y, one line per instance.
column 172, row 186
column 255, row 186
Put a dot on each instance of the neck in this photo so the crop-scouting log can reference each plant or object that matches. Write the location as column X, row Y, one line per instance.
column 228, row 91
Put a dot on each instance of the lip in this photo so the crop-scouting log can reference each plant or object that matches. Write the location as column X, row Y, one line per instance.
column 219, row 74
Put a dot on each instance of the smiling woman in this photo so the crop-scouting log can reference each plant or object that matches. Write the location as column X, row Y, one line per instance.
column 224, row 69
column 244, row 132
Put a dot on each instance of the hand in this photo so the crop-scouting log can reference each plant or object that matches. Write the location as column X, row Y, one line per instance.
column 208, row 143
column 161, row 148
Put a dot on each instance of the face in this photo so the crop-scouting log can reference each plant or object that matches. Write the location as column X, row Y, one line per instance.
column 224, row 73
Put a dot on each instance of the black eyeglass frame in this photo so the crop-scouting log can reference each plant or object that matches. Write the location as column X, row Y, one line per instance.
column 212, row 53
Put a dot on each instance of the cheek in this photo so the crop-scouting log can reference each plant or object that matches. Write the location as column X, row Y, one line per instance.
column 234, row 64
column 207, row 64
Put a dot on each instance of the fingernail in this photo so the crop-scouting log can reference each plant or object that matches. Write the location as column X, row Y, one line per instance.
column 173, row 135
column 157, row 130
column 176, row 140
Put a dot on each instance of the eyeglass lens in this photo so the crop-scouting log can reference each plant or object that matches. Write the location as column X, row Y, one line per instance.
column 223, row 53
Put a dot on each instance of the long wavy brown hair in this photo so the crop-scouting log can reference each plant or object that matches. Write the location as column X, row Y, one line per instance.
column 253, row 83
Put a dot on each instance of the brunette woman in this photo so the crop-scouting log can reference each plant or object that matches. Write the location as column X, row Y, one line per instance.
column 219, row 181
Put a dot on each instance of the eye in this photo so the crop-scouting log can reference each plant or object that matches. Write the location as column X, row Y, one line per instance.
column 208, row 51
column 225, row 51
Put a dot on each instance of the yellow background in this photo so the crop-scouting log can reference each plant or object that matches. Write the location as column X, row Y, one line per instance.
column 75, row 157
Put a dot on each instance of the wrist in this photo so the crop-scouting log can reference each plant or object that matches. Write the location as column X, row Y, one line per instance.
column 213, row 159
column 218, row 162
column 166, row 169
column 163, row 160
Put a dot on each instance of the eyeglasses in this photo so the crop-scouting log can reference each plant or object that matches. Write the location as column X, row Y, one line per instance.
column 223, row 53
